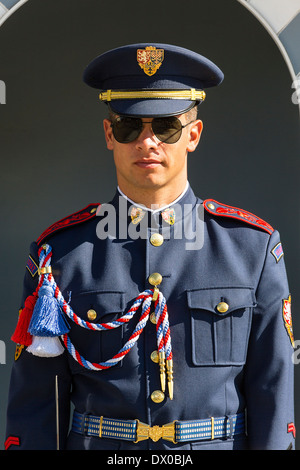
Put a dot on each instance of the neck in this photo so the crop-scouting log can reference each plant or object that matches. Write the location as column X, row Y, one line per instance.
column 154, row 199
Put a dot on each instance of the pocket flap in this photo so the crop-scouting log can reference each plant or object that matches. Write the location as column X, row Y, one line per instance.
column 101, row 302
column 210, row 299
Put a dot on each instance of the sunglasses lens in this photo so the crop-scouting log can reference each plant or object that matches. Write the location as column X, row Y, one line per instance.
column 168, row 129
column 126, row 129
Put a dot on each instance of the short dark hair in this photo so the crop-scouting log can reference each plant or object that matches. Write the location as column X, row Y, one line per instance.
column 192, row 114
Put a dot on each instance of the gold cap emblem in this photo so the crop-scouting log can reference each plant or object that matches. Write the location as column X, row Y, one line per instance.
column 150, row 59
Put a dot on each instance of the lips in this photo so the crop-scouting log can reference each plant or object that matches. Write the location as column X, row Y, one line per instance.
column 148, row 163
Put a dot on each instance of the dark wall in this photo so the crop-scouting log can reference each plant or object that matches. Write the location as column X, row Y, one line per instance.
column 52, row 151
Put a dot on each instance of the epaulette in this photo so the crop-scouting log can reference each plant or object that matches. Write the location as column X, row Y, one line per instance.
column 89, row 212
column 216, row 208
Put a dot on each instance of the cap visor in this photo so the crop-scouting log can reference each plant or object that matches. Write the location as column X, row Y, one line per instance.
column 151, row 107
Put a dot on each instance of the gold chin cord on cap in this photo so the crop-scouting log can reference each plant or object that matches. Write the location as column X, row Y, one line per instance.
column 192, row 94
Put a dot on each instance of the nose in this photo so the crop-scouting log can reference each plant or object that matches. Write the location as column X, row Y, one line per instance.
column 147, row 139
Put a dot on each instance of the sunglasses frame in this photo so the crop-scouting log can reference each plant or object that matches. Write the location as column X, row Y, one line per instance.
column 140, row 128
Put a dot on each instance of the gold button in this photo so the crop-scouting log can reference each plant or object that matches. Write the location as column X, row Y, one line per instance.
column 91, row 314
column 156, row 239
column 222, row 307
column 154, row 357
column 153, row 318
column 157, row 396
column 211, row 206
column 155, row 279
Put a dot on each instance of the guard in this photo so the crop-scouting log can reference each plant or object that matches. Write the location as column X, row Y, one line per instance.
column 164, row 319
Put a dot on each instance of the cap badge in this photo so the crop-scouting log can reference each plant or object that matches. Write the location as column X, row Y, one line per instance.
column 150, row 59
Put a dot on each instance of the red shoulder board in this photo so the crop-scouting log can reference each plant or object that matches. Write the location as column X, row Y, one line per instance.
column 89, row 212
column 216, row 208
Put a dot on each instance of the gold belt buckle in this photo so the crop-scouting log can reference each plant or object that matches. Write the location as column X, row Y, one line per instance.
column 144, row 431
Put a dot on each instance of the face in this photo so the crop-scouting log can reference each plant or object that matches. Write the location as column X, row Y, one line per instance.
column 147, row 164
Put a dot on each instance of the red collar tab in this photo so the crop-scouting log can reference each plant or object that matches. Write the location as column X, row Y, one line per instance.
column 89, row 212
column 216, row 208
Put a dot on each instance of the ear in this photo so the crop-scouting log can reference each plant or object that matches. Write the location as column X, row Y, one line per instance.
column 195, row 132
column 108, row 134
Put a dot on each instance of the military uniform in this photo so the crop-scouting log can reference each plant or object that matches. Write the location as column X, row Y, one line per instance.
column 197, row 356
column 231, row 347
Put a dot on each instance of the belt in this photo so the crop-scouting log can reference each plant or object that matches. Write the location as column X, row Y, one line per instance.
column 177, row 431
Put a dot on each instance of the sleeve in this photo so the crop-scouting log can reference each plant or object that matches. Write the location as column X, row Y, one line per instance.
column 269, row 374
column 39, row 394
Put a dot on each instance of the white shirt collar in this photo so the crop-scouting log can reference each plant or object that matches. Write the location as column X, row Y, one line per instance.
column 155, row 210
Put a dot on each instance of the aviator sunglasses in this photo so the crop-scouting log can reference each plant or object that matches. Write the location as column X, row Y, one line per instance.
column 166, row 129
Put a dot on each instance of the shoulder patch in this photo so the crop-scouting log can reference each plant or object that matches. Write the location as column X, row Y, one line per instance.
column 277, row 252
column 216, row 208
column 89, row 212
column 32, row 266
column 287, row 317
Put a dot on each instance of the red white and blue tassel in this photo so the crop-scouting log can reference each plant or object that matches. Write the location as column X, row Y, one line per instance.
column 48, row 322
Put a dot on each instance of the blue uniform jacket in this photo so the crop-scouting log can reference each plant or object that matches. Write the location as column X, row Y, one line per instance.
column 225, row 362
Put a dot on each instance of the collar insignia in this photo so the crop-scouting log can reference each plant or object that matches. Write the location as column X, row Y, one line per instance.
column 169, row 216
column 137, row 214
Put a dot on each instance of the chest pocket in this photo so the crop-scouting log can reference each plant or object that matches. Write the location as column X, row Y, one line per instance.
column 220, row 325
column 98, row 307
